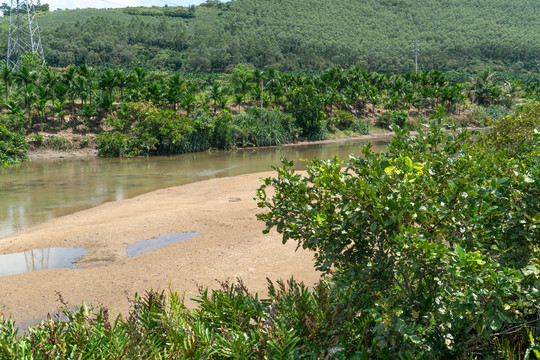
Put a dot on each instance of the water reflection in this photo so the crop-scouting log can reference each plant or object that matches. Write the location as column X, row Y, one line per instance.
column 41, row 190
column 40, row 259
column 144, row 246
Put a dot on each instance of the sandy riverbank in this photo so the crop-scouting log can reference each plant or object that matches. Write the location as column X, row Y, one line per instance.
column 230, row 245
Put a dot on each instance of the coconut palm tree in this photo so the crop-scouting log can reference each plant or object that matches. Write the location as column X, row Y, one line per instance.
column 68, row 79
column 107, row 82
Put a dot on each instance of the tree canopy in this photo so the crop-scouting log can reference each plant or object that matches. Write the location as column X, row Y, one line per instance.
column 458, row 36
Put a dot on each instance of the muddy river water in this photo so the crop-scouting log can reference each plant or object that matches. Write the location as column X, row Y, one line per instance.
column 45, row 189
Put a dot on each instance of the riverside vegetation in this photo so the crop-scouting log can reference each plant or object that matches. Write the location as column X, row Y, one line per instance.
column 430, row 251
column 138, row 113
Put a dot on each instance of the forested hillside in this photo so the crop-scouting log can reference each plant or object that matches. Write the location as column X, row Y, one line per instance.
column 454, row 35
column 378, row 34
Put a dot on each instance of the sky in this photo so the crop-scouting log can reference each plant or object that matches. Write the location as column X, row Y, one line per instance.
column 67, row 4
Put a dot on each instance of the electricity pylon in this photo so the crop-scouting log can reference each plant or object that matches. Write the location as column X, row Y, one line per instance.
column 23, row 33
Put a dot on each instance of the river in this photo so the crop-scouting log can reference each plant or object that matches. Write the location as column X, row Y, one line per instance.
column 41, row 190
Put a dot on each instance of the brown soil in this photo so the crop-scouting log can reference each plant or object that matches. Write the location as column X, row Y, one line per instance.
column 230, row 245
column 76, row 152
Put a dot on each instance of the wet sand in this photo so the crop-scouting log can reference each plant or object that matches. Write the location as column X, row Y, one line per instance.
column 230, row 245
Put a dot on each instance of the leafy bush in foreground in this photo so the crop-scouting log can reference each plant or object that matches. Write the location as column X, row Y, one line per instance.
column 229, row 323
column 435, row 241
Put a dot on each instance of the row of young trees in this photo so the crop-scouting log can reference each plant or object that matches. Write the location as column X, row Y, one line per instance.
column 45, row 94
column 36, row 99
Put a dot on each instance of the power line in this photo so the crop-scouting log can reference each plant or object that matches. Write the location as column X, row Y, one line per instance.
column 169, row 3
column 114, row 3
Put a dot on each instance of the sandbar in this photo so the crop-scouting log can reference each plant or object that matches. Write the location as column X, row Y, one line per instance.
column 230, row 245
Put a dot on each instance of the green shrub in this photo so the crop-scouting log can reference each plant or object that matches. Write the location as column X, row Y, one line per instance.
column 200, row 137
column 436, row 242
column 513, row 134
column 360, row 126
column 142, row 129
column 223, row 136
column 391, row 117
column 13, row 146
column 14, row 122
column 307, row 106
column 343, row 120
column 113, row 144
column 263, row 127
column 495, row 111
column 480, row 115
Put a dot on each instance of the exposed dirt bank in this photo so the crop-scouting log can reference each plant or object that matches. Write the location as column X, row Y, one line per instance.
column 54, row 154
column 230, row 245
column 37, row 154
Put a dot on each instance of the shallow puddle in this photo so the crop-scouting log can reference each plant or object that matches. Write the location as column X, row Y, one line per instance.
column 144, row 246
column 40, row 259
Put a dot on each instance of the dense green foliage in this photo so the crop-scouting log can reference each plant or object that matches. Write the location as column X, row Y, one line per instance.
column 514, row 135
column 461, row 37
column 229, row 323
column 142, row 129
column 13, row 146
column 307, row 106
column 261, row 127
column 392, row 117
column 435, row 241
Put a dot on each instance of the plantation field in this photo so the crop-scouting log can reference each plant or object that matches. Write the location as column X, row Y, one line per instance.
column 459, row 38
